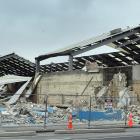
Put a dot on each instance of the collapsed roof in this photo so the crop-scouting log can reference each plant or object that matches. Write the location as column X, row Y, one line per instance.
column 105, row 60
column 10, row 79
column 117, row 38
column 14, row 64
column 17, row 65
column 127, row 41
column 7, row 79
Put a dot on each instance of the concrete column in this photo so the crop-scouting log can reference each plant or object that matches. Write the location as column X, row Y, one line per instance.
column 51, row 66
column 37, row 63
column 70, row 62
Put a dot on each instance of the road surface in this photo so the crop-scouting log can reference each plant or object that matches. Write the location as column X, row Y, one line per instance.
column 130, row 134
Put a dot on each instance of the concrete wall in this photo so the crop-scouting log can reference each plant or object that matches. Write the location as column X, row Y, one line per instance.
column 136, row 79
column 73, row 83
column 136, row 73
column 108, row 74
column 67, row 83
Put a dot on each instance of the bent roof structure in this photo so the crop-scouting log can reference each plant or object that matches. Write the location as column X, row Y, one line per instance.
column 127, row 41
column 14, row 64
column 105, row 60
column 117, row 38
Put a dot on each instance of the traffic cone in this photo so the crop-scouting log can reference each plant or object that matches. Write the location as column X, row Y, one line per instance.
column 70, row 126
column 130, row 121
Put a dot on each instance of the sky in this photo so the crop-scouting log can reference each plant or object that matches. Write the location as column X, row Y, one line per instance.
column 34, row 27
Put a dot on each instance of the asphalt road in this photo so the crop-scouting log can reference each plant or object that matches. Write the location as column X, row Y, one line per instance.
column 68, row 138
column 131, row 134
column 78, row 137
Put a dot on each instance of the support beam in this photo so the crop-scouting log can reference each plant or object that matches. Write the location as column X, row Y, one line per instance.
column 105, row 41
column 70, row 62
column 129, row 42
column 37, row 63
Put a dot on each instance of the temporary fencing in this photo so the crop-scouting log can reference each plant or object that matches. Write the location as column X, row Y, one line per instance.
column 55, row 109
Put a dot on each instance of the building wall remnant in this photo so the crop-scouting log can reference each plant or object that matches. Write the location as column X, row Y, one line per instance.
column 67, row 83
column 136, row 80
column 74, row 82
column 117, row 78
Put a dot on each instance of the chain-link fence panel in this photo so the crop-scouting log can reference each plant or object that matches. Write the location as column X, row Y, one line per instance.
column 55, row 109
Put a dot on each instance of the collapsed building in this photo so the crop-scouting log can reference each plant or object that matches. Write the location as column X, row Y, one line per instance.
column 118, row 71
column 113, row 75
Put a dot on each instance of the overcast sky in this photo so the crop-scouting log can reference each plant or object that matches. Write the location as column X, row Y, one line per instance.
column 34, row 27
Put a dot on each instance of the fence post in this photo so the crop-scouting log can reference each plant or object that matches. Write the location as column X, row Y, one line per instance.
column 62, row 98
column 126, row 107
column 0, row 119
column 45, row 119
column 89, row 119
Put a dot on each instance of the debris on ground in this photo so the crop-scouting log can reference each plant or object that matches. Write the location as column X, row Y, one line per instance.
column 135, row 110
column 16, row 110
column 30, row 113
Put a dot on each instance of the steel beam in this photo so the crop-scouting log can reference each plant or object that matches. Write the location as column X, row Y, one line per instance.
column 70, row 62
column 128, row 43
column 105, row 41
column 37, row 63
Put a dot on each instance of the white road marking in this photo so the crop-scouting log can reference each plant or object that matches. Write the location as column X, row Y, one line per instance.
column 114, row 137
column 12, row 139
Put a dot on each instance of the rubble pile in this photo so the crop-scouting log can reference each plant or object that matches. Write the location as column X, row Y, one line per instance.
column 135, row 110
column 30, row 113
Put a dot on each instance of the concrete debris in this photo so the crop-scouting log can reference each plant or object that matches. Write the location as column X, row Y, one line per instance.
column 33, row 85
column 8, row 79
column 135, row 110
column 12, row 87
column 24, row 113
column 124, row 98
column 16, row 96
column 15, row 110
column 102, row 93
column 91, row 67
column 119, row 80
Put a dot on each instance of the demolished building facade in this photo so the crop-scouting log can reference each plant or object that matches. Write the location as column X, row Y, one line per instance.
column 70, row 84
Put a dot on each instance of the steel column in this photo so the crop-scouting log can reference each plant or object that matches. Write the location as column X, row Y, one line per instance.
column 37, row 63
column 70, row 62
